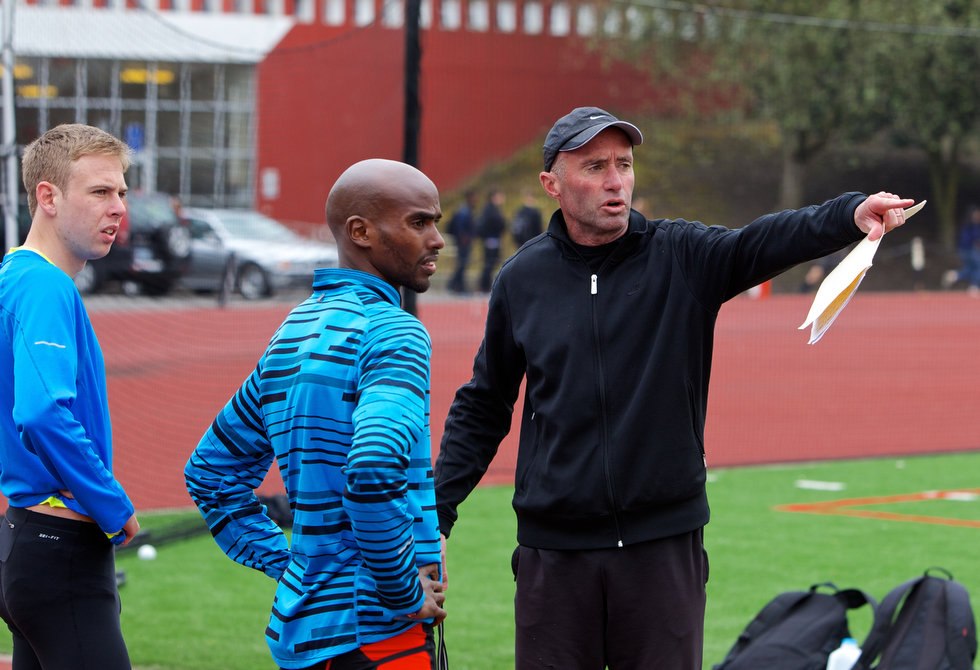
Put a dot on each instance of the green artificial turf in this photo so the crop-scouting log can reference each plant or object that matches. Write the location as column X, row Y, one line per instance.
column 192, row 607
column 757, row 551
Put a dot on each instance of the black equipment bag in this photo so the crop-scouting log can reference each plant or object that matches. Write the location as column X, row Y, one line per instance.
column 796, row 630
column 924, row 624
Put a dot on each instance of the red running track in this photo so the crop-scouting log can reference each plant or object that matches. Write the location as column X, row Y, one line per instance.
column 896, row 374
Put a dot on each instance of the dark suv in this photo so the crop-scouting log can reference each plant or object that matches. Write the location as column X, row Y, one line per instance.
column 152, row 249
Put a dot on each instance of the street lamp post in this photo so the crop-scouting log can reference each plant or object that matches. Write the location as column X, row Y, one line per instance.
column 9, row 149
column 413, row 58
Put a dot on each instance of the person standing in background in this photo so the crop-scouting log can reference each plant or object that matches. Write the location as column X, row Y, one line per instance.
column 968, row 248
column 340, row 400
column 527, row 221
column 58, row 592
column 462, row 228
column 491, row 227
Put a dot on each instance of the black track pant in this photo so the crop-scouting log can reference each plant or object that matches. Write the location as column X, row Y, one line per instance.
column 58, row 594
column 639, row 607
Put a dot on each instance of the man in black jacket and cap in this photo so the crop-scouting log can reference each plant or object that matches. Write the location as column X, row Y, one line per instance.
column 609, row 318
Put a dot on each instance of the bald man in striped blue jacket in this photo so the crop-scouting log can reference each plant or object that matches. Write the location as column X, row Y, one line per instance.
column 340, row 399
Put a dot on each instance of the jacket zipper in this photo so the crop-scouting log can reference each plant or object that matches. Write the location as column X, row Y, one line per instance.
column 604, row 434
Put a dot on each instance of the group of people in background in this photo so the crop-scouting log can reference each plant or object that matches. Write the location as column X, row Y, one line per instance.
column 488, row 226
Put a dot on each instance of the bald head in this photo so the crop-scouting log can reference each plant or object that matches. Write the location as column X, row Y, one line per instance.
column 367, row 188
column 380, row 209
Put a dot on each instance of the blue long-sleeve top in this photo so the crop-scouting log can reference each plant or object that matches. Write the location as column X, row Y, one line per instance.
column 340, row 399
column 54, row 413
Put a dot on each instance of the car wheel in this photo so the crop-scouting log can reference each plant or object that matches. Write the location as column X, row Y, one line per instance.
column 89, row 280
column 131, row 287
column 253, row 283
column 179, row 242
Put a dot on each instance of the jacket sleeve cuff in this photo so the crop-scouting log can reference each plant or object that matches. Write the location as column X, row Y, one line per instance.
column 850, row 208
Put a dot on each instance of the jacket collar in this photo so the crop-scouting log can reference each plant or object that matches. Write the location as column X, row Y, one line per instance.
column 327, row 278
column 636, row 227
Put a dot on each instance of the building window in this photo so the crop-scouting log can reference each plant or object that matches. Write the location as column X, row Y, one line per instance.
column 363, row 12
column 711, row 26
column 688, row 28
column 585, row 21
column 27, row 124
column 190, row 125
column 393, row 14
column 613, row 22
column 239, row 87
column 478, row 15
column 134, row 75
column 425, row 13
column 662, row 22
column 561, row 20
column 304, row 11
column 533, row 18
column 636, row 22
column 202, row 81
column 169, row 131
column 62, row 78
column 506, row 16
column 334, row 12
column 169, row 180
column 273, row 7
column 450, row 14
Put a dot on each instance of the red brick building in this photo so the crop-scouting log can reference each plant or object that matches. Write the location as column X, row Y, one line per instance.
column 261, row 103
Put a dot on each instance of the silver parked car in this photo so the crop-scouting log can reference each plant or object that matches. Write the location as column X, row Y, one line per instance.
column 262, row 254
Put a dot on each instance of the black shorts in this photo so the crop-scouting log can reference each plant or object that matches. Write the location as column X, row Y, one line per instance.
column 639, row 607
column 58, row 594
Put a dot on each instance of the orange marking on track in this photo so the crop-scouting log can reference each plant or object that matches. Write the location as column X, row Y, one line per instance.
column 847, row 507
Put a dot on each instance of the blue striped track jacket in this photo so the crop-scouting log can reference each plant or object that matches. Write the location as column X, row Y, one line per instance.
column 340, row 399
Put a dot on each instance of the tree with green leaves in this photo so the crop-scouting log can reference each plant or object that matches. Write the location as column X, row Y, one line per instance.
column 778, row 60
column 925, row 87
column 829, row 72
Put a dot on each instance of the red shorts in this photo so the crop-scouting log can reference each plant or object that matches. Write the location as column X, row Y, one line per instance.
column 412, row 650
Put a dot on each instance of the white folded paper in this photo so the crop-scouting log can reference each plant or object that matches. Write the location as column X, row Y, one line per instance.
column 838, row 287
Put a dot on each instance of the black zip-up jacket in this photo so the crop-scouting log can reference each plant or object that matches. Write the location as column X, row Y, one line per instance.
column 617, row 363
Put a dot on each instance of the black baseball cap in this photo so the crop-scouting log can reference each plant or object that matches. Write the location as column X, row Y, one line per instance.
column 578, row 127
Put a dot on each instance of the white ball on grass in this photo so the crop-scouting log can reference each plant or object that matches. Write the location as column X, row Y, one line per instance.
column 147, row 552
